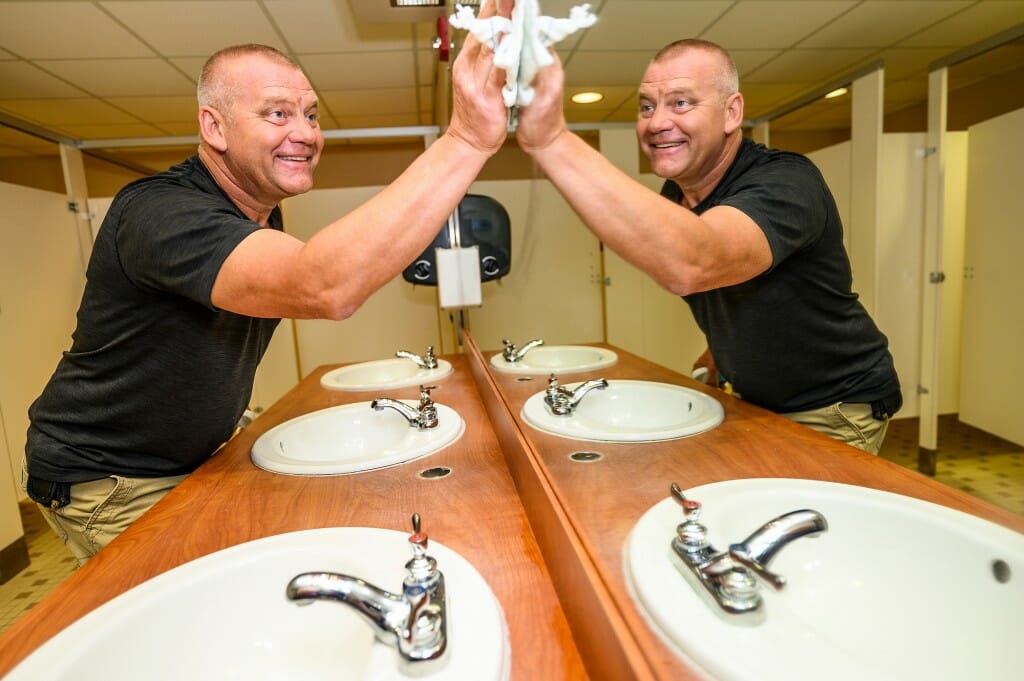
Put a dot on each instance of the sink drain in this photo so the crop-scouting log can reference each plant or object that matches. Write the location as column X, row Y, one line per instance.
column 585, row 457
column 436, row 472
column 1001, row 571
column 524, row 379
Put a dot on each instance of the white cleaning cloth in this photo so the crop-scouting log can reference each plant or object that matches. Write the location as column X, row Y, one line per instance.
column 524, row 49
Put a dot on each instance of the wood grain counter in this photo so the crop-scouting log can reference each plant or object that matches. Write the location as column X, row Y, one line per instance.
column 582, row 513
column 474, row 511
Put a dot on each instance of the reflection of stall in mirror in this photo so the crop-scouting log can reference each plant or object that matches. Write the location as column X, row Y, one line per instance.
column 479, row 221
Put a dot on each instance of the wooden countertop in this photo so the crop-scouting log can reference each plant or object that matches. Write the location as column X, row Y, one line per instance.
column 593, row 506
column 474, row 511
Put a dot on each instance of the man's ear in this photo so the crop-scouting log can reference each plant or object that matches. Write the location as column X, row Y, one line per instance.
column 211, row 128
column 733, row 112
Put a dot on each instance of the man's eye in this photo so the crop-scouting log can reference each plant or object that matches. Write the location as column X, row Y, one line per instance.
column 682, row 104
column 312, row 117
column 276, row 115
column 646, row 108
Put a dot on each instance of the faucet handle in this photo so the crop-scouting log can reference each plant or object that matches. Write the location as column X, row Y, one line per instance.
column 691, row 507
column 418, row 539
column 422, row 568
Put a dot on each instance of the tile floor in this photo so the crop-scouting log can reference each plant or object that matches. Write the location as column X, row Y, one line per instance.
column 968, row 459
column 49, row 563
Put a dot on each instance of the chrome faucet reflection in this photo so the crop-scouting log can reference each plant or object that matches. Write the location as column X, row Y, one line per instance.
column 414, row 621
column 427, row 361
column 731, row 577
column 563, row 401
column 513, row 354
column 421, row 417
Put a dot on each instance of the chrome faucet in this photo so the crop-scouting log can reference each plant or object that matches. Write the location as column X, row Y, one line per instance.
column 421, row 417
column 563, row 401
column 731, row 577
column 413, row 621
column 427, row 361
column 513, row 354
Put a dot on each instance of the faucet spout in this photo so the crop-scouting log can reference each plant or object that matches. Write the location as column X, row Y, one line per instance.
column 410, row 413
column 513, row 354
column 427, row 361
column 420, row 417
column 385, row 612
column 413, row 621
column 766, row 541
column 563, row 401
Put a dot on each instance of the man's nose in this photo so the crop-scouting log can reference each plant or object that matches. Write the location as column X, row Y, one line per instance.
column 305, row 132
column 660, row 119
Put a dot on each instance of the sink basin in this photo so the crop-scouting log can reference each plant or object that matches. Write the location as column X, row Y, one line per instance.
column 557, row 359
column 629, row 411
column 896, row 588
column 225, row 616
column 382, row 374
column 350, row 439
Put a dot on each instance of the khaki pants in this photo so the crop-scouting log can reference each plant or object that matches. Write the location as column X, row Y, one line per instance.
column 102, row 509
column 847, row 422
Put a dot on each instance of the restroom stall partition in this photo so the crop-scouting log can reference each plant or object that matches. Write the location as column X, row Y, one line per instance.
column 992, row 364
column 899, row 234
column 41, row 281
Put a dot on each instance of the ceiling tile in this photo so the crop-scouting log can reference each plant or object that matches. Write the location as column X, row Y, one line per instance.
column 798, row 65
column 159, row 109
column 328, row 26
column 976, row 23
column 773, row 23
column 880, row 23
column 195, row 27
column 67, row 111
column 611, row 68
column 71, row 30
column 359, row 70
column 21, row 80
column 629, row 24
column 122, row 77
column 371, row 102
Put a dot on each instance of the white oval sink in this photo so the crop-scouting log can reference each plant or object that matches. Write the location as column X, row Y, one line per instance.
column 629, row 411
column 557, row 359
column 383, row 374
column 225, row 616
column 351, row 438
column 896, row 588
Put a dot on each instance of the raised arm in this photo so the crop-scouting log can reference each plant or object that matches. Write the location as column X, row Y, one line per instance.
column 684, row 253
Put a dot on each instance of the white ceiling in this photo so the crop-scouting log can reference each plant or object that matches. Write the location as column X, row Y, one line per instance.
column 110, row 69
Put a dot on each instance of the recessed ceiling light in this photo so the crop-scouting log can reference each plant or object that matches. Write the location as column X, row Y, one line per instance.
column 838, row 92
column 587, row 97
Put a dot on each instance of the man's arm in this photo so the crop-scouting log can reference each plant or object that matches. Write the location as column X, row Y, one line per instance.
column 684, row 253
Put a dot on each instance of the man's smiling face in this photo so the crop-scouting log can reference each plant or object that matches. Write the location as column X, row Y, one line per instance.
column 273, row 137
column 684, row 116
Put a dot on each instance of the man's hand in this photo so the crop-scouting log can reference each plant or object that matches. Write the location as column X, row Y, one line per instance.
column 479, row 116
column 543, row 120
